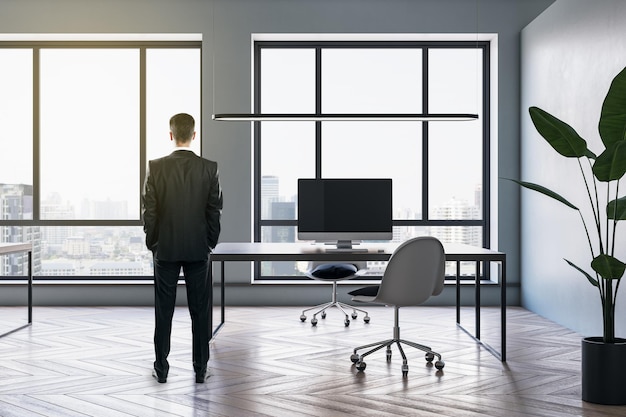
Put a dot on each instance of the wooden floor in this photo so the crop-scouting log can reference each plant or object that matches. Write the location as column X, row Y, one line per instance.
column 80, row 361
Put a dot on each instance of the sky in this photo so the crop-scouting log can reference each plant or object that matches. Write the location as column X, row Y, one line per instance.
column 89, row 119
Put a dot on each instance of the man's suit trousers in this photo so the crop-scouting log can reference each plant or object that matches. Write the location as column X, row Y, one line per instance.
column 198, row 292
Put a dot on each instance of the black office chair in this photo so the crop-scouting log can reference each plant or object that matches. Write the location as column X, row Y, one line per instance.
column 334, row 272
column 414, row 273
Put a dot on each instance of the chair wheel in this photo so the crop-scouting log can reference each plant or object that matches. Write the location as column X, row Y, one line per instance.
column 313, row 322
column 429, row 357
column 360, row 366
column 440, row 364
column 354, row 358
column 324, row 315
column 366, row 319
column 388, row 356
column 303, row 318
column 346, row 322
column 405, row 370
column 354, row 316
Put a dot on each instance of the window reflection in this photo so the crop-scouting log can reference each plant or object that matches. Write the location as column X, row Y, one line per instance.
column 89, row 124
column 89, row 151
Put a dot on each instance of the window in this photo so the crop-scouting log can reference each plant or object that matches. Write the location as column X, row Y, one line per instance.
column 440, row 170
column 81, row 119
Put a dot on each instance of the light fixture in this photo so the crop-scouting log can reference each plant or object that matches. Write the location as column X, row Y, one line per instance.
column 325, row 117
column 343, row 117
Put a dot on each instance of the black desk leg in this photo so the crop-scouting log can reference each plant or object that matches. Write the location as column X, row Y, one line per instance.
column 222, row 292
column 476, row 335
column 30, row 287
column 223, row 295
column 477, row 300
column 30, row 297
column 458, row 292
column 210, row 279
column 503, row 312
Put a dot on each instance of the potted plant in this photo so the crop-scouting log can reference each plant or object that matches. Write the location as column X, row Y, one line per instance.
column 603, row 358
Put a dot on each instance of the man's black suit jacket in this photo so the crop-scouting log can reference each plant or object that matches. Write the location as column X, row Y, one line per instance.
column 181, row 206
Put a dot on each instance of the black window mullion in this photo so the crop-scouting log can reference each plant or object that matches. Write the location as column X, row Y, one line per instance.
column 425, row 139
column 258, row 221
column 425, row 46
column 142, row 121
column 486, row 121
column 318, row 110
column 36, row 135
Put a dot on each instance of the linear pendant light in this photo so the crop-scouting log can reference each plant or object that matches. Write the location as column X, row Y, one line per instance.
column 315, row 117
column 343, row 117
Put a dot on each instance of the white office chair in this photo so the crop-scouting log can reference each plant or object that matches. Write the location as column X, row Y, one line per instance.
column 334, row 272
column 415, row 272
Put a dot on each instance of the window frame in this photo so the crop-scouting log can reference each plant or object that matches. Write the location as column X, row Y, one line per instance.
column 484, row 45
column 142, row 46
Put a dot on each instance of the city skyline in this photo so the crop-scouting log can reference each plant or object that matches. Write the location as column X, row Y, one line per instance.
column 120, row 251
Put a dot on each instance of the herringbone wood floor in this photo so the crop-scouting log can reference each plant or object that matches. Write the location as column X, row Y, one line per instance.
column 78, row 361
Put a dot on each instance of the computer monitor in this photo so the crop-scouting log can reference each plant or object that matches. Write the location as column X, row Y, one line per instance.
column 344, row 210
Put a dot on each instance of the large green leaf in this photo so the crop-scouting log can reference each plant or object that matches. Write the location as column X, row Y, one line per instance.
column 612, row 125
column 591, row 279
column 545, row 191
column 611, row 164
column 590, row 154
column 608, row 267
column 616, row 209
column 561, row 136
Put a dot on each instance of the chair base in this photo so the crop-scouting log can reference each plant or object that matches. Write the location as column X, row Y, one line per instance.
column 429, row 356
column 341, row 306
column 334, row 303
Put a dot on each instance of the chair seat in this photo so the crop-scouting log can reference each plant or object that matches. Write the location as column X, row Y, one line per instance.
column 364, row 298
column 334, row 272
column 370, row 291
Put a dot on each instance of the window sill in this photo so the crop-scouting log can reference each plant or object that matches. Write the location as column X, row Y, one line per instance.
column 39, row 283
column 447, row 282
column 150, row 281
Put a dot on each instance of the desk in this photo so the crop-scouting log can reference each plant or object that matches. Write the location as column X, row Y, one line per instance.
column 11, row 248
column 255, row 251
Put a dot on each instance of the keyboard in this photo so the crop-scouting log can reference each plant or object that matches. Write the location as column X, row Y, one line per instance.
column 346, row 250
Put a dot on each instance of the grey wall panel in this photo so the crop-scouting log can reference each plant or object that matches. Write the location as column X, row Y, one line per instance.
column 226, row 27
column 570, row 54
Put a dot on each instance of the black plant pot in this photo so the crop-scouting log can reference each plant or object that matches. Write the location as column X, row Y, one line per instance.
column 604, row 371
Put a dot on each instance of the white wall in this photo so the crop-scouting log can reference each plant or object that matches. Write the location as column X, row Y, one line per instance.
column 570, row 54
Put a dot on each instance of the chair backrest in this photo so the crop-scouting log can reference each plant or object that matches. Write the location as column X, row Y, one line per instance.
column 415, row 271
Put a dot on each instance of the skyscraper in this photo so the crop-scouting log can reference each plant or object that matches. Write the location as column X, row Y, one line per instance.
column 16, row 203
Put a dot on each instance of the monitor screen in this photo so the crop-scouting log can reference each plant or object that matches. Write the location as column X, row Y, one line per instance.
column 344, row 210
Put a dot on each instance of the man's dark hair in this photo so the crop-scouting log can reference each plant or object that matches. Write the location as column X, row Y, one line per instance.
column 182, row 127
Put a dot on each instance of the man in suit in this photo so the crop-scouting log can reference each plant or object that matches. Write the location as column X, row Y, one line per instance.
column 181, row 207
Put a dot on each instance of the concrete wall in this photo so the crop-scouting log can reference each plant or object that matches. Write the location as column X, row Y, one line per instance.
column 226, row 27
column 570, row 54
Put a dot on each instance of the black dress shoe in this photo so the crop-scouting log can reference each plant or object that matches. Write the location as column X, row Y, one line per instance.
column 160, row 379
column 201, row 377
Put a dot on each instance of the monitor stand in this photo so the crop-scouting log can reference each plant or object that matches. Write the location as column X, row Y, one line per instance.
column 345, row 246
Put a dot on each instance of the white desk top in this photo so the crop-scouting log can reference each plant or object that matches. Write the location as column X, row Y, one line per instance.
column 252, row 251
column 7, row 248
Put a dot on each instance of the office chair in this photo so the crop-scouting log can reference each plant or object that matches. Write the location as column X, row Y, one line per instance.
column 415, row 271
column 334, row 272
